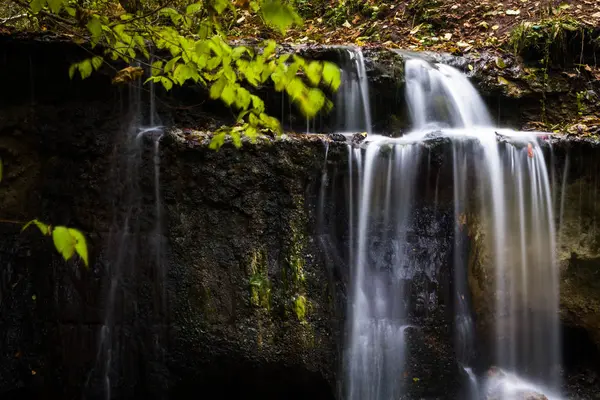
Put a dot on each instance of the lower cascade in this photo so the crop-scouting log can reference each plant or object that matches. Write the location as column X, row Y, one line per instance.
column 500, row 197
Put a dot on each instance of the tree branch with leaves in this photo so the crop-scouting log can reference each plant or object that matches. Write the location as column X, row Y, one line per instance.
column 183, row 42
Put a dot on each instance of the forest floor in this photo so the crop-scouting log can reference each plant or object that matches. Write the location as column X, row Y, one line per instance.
column 455, row 26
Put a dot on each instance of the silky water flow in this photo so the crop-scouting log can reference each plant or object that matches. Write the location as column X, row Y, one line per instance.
column 503, row 186
column 135, row 264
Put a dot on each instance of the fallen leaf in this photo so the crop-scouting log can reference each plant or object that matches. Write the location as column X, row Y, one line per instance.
column 500, row 63
column 128, row 74
column 495, row 27
column 415, row 29
column 529, row 150
column 513, row 12
column 347, row 25
column 447, row 36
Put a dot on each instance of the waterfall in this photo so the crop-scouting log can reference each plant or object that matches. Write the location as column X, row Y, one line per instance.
column 135, row 251
column 352, row 98
column 501, row 187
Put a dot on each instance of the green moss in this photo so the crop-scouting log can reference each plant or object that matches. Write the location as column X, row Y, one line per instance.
column 300, row 307
column 296, row 285
column 549, row 37
column 260, row 286
column 298, row 241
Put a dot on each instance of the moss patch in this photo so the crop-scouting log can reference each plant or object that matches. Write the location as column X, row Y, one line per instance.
column 260, row 286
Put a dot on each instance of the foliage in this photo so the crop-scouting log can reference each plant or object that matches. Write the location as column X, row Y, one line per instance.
column 426, row 11
column 67, row 241
column 181, row 42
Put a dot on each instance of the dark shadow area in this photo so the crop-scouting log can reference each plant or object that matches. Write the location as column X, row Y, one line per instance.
column 229, row 379
column 579, row 349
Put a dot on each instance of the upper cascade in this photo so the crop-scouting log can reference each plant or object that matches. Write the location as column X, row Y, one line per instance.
column 440, row 96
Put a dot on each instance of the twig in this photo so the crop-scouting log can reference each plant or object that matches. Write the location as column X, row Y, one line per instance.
column 8, row 221
column 11, row 19
column 47, row 14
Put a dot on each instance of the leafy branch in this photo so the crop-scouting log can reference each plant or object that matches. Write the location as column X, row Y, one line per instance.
column 187, row 44
column 67, row 241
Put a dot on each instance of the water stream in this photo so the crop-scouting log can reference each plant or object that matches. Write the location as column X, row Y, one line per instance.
column 135, row 257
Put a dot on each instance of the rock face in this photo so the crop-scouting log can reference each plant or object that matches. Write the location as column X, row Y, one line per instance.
column 240, row 300
column 227, row 284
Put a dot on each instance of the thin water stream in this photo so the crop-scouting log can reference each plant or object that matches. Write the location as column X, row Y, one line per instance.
column 135, row 256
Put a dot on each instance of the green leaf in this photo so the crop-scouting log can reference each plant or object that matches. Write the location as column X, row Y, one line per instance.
column 55, row 5
column 80, row 245
column 500, row 63
column 331, row 75
column 313, row 72
column 94, row 26
column 85, row 68
column 282, row 16
column 217, row 141
column 45, row 229
column 237, row 139
column 237, row 52
column 157, row 67
column 193, row 8
column 97, row 62
column 217, row 88
column 242, row 100
column 183, row 72
column 171, row 63
column 257, row 103
column 63, row 242
column 37, row 5
column 270, row 46
column 251, row 132
column 166, row 82
column 220, row 5
column 228, row 94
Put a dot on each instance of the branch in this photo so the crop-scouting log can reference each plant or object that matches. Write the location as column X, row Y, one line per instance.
column 11, row 19
column 45, row 13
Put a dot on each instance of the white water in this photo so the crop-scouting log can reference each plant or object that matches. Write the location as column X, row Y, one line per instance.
column 507, row 185
column 352, row 98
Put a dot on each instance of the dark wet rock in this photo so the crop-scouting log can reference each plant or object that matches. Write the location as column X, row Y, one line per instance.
column 358, row 138
column 338, row 137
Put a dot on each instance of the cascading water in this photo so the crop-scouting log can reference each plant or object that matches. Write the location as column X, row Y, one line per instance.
column 352, row 98
column 510, row 200
column 135, row 259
